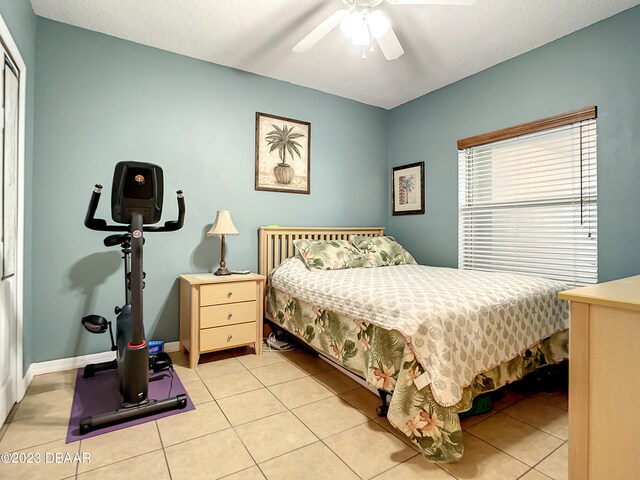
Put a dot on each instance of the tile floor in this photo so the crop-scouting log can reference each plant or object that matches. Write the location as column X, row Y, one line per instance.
column 282, row 416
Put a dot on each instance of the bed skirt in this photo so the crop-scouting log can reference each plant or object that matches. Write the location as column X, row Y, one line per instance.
column 383, row 359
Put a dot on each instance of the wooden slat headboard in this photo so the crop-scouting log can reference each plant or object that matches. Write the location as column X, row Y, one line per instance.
column 275, row 244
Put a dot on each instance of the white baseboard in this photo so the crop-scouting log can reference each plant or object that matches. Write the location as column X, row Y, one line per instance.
column 24, row 384
column 62, row 364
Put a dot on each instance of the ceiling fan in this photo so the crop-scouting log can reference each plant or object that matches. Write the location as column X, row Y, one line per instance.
column 360, row 22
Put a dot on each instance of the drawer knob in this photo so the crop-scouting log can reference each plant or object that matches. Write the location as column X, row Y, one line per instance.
column 229, row 293
column 229, row 315
column 229, row 338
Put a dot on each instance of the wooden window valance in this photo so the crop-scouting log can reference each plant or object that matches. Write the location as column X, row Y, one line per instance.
column 580, row 115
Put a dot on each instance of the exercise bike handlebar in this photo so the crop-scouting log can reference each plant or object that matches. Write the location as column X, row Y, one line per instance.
column 90, row 221
column 172, row 225
column 93, row 223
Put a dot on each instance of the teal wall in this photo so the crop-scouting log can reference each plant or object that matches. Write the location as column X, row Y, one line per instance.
column 599, row 65
column 21, row 21
column 101, row 100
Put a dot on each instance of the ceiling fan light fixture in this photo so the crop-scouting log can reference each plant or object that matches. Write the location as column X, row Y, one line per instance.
column 356, row 27
column 352, row 23
column 378, row 23
column 361, row 36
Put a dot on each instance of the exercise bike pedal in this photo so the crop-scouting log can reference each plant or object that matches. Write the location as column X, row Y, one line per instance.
column 98, row 324
column 95, row 323
column 160, row 362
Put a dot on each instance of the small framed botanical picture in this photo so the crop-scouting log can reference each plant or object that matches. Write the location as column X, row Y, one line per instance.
column 407, row 189
column 282, row 154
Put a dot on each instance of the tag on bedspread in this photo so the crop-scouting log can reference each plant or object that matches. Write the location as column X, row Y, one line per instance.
column 422, row 381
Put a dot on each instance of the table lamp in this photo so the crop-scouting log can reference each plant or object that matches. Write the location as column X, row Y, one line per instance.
column 221, row 227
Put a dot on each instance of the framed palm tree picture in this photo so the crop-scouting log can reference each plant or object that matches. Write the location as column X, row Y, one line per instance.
column 283, row 148
column 407, row 189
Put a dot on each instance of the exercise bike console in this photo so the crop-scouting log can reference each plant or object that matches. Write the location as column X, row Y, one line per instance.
column 136, row 201
column 137, row 188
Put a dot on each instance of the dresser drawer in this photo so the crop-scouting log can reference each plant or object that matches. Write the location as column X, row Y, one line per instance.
column 228, row 293
column 228, row 314
column 226, row 337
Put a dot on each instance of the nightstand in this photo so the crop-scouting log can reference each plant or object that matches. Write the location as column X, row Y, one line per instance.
column 220, row 312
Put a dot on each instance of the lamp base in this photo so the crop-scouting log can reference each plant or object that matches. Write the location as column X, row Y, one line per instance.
column 222, row 271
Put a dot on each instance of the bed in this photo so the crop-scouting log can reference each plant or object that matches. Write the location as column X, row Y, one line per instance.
column 431, row 338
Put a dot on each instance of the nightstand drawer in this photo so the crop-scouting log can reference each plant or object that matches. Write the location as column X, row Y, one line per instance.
column 226, row 337
column 231, row 292
column 229, row 314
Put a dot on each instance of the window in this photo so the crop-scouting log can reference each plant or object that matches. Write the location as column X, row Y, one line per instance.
column 528, row 199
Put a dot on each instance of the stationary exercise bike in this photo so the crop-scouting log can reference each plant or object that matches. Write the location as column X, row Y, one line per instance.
column 136, row 201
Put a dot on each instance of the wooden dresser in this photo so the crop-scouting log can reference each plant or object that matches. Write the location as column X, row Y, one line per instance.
column 219, row 312
column 604, row 380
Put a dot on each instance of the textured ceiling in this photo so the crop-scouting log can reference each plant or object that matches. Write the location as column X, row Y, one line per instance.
column 442, row 44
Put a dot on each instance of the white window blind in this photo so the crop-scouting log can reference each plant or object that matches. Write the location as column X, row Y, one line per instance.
column 529, row 205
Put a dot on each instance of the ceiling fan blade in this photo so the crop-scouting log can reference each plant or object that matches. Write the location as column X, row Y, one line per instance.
column 390, row 45
column 432, row 2
column 320, row 31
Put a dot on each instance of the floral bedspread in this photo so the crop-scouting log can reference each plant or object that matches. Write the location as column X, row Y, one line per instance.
column 384, row 358
column 458, row 323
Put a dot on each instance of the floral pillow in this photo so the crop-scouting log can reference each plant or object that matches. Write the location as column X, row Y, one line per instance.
column 382, row 251
column 330, row 254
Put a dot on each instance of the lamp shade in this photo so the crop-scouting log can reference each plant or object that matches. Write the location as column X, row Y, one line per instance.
column 223, row 225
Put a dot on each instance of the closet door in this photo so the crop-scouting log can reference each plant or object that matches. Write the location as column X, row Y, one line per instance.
column 8, row 246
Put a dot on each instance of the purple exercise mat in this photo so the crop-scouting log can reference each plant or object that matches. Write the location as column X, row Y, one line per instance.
column 101, row 394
